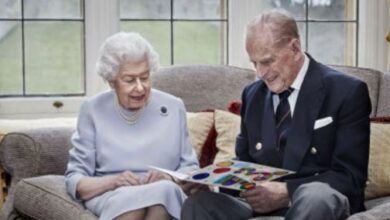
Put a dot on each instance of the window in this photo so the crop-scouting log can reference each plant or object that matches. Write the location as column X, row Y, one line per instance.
column 41, row 48
column 45, row 61
column 328, row 28
column 182, row 31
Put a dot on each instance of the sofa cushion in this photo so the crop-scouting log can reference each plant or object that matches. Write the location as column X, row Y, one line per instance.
column 209, row 149
column 379, row 162
column 372, row 203
column 45, row 197
column 384, row 96
column 227, row 126
column 199, row 125
column 380, row 212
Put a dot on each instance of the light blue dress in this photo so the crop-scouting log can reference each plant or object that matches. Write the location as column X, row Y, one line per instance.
column 104, row 143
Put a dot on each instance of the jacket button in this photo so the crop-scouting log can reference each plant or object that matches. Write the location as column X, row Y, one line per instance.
column 313, row 150
column 258, row 146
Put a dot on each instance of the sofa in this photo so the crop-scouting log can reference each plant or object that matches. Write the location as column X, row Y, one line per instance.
column 34, row 153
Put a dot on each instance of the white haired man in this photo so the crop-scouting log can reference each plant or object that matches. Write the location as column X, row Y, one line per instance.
column 302, row 116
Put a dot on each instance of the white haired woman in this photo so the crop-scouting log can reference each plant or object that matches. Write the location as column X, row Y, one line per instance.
column 122, row 132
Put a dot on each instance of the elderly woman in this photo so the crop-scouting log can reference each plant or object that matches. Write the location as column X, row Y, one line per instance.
column 124, row 131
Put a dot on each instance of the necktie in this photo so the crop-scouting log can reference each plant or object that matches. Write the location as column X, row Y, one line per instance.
column 283, row 122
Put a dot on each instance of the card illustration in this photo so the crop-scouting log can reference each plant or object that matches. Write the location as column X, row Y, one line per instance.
column 232, row 174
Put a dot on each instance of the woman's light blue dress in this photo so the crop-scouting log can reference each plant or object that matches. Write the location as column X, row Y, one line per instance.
column 105, row 144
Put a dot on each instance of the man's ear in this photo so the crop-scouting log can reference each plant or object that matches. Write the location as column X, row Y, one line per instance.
column 296, row 45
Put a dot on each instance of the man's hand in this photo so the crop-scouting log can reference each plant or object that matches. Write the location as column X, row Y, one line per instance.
column 190, row 188
column 267, row 197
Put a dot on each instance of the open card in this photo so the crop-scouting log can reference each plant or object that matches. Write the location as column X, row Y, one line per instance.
column 232, row 174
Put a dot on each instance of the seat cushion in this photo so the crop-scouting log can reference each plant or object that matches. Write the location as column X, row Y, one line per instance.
column 45, row 197
column 381, row 212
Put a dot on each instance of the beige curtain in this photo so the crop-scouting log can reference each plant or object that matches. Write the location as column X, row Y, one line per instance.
column 388, row 33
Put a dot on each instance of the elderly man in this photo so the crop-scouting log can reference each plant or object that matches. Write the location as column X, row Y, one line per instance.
column 300, row 115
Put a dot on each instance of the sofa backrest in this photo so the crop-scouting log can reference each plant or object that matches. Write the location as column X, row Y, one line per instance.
column 384, row 96
column 200, row 86
column 371, row 77
column 215, row 86
column 204, row 86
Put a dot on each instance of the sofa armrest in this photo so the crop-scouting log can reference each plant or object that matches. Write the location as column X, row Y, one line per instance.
column 34, row 152
column 380, row 212
column 45, row 197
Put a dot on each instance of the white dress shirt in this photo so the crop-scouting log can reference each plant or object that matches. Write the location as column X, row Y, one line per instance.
column 296, row 85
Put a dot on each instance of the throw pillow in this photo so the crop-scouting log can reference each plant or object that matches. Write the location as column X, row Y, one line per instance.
column 209, row 149
column 378, row 172
column 199, row 126
column 234, row 107
column 227, row 126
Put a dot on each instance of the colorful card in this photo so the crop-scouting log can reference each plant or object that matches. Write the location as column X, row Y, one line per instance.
column 232, row 174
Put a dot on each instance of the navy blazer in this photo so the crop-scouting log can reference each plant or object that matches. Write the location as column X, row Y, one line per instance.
column 336, row 154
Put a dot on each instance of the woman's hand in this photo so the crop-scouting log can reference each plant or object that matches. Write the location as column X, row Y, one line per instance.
column 89, row 187
column 126, row 178
column 190, row 188
column 154, row 176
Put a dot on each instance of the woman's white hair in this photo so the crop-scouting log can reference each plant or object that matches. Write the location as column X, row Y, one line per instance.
column 123, row 47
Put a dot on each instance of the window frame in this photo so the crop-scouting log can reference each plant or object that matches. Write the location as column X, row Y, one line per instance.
column 22, row 21
column 102, row 20
column 238, row 56
column 350, row 59
column 172, row 21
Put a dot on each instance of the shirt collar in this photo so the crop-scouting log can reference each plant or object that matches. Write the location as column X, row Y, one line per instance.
column 301, row 74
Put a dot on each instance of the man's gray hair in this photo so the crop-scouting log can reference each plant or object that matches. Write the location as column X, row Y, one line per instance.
column 123, row 47
column 279, row 23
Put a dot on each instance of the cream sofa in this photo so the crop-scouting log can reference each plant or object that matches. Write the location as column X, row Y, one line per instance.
column 34, row 160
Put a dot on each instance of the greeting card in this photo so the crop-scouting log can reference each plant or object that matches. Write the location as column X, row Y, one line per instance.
column 232, row 174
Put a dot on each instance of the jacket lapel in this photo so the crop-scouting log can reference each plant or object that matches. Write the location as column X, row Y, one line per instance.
column 268, row 133
column 307, row 109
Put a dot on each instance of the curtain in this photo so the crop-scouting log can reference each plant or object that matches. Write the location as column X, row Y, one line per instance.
column 388, row 33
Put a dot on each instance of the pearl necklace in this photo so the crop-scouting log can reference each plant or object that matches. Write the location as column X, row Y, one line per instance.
column 132, row 119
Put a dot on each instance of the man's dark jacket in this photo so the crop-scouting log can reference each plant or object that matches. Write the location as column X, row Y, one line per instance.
column 336, row 154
